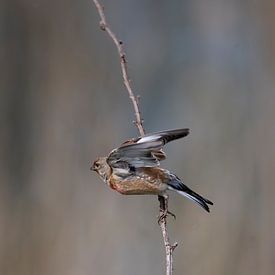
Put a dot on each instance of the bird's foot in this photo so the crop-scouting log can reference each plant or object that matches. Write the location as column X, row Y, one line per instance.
column 163, row 215
column 163, row 209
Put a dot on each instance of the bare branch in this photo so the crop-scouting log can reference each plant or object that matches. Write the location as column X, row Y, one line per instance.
column 139, row 123
column 169, row 248
column 123, row 63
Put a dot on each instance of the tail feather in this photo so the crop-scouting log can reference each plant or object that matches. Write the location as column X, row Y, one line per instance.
column 197, row 198
column 176, row 184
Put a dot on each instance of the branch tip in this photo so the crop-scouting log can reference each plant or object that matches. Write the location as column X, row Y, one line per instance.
column 174, row 246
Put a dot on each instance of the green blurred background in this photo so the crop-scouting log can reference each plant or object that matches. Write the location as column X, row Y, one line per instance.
column 206, row 65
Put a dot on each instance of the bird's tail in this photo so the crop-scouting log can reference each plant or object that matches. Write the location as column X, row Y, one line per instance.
column 176, row 184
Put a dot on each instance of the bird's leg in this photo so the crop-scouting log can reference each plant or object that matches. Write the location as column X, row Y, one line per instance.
column 163, row 204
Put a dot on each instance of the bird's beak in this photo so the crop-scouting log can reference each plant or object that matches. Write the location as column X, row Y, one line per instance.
column 92, row 168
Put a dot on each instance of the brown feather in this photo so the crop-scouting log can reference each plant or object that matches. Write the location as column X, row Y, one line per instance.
column 150, row 181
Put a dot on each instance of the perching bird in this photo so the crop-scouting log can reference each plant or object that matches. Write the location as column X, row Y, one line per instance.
column 134, row 168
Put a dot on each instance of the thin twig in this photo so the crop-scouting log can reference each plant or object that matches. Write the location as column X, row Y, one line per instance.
column 123, row 63
column 169, row 248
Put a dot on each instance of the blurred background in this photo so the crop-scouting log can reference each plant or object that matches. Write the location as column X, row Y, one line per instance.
column 206, row 65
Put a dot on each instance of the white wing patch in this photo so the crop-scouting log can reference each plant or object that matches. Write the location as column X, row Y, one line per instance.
column 149, row 138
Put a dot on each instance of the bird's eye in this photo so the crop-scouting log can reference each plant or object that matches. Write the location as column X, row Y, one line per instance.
column 95, row 166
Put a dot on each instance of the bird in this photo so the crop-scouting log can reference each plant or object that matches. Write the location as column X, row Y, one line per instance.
column 134, row 168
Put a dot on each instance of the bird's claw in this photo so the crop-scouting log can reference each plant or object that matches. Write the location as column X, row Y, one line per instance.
column 164, row 214
column 172, row 214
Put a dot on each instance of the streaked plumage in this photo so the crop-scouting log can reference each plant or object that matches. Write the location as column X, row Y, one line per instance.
column 133, row 168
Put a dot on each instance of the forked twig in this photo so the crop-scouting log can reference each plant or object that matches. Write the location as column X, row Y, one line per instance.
column 139, row 123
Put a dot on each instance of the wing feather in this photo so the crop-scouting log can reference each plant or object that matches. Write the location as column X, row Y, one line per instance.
column 144, row 151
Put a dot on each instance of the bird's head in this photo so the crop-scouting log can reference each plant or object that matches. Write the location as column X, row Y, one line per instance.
column 101, row 166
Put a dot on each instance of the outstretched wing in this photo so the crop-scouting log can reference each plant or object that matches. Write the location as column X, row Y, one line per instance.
column 144, row 151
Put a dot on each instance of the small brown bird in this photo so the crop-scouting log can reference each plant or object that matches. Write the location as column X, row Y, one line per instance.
column 133, row 168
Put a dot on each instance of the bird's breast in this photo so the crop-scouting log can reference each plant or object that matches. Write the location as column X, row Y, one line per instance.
column 139, row 184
